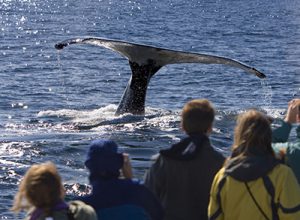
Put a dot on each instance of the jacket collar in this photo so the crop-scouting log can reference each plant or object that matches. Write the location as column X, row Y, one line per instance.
column 58, row 207
column 251, row 167
column 187, row 148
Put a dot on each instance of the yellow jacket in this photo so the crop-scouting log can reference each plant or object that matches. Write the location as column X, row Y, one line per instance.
column 230, row 199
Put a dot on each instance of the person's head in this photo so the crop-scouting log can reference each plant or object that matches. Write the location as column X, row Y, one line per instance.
column 103, row 160
column 252, row 135
column 197, row 117
column 298, row 112
column 41, row 187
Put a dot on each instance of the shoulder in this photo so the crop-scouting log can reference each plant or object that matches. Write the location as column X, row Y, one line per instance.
column 134, row 187
column 218, row 154
column 155, row 157
column 215, row 155
column 158, row 161
column 138, row 187
column 80, row 210
column 281, row 173
column 29, row 213
column 220, row 174
column 280, row 169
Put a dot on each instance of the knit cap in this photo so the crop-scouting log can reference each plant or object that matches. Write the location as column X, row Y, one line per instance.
column 103, row 158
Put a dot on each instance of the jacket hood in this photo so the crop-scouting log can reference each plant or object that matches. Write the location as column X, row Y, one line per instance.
column 187, row 148
column 251, row 167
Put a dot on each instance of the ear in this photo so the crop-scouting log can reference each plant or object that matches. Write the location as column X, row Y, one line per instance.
column 209, row 130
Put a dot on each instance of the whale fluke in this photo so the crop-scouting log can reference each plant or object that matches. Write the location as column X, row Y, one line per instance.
column 145, row 61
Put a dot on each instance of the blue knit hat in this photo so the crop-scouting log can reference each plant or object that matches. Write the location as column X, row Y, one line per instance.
column 103, row 158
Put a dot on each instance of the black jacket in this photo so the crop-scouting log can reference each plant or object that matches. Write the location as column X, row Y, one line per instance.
column 181, row 177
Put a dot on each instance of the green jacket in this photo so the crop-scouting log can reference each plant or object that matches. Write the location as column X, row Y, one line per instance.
column 280, row 140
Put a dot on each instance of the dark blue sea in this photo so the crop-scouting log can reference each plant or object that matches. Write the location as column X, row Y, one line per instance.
column 46, row 96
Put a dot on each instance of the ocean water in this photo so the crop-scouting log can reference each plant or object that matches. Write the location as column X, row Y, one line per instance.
column 52, row 104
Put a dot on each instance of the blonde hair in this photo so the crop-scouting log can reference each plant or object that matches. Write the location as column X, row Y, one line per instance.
column 197, row 116
column 252, row 135
column 41, row 187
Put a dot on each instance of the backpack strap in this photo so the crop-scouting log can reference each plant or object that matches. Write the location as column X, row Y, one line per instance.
column 255, row 202
column 270, row 188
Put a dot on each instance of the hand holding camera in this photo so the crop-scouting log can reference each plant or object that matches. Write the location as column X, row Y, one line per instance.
column 293, row 112
column 127, row 169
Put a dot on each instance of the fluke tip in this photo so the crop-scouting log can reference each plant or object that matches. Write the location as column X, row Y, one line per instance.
column 60, row 46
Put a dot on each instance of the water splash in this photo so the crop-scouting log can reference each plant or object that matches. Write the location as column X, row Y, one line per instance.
column 77, row 189
column 267, row 94
column 82, row 117
column 63, row 78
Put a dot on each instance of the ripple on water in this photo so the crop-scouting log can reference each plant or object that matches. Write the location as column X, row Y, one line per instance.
column 15, row 157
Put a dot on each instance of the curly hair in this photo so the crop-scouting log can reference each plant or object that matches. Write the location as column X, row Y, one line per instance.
column 41, row 187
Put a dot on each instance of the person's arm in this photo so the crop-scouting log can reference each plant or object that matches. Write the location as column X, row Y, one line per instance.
column 215, row 211
column 281, row 133
column 127, row 168
column 289, row 197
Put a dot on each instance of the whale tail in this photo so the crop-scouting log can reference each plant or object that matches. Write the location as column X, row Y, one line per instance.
column 145, row 61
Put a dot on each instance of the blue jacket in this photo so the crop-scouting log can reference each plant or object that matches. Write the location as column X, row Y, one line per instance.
column 116, row 199
column 280, row 138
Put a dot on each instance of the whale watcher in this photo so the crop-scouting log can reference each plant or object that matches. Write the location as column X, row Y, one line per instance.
column 289, row 151
column 115, row 195
column 253, row 184
column 181, row 175
column 41, row 193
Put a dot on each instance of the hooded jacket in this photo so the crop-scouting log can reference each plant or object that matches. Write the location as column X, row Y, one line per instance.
column 280, row 137
column 75, row 210
column 273, row 192
column 182, row 175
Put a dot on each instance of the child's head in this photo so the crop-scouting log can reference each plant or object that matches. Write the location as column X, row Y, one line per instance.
column 197, row 117
column 41, row 187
